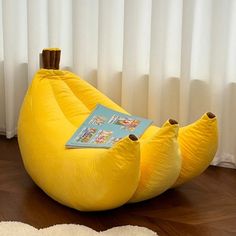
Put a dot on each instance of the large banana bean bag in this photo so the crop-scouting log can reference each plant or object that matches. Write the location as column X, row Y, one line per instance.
column 57, row 103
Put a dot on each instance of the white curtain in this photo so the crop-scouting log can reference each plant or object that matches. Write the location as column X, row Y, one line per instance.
column 157, row 58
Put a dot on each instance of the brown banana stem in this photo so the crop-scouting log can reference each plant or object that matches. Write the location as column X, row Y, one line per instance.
column 46, row 59
column 57, row 59
column 52, row 59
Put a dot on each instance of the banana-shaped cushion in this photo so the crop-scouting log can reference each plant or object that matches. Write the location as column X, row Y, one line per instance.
column 84, row 179
column 160, row 161
column 198, row 144
column 58, row 102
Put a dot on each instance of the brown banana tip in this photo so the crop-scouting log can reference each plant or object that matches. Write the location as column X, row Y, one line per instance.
column 173, row 122
column 133, row 137
column 210, row 115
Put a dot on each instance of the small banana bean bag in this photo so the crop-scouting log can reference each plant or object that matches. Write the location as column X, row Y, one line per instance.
column 92, row 179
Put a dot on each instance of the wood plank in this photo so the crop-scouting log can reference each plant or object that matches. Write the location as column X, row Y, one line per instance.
column 204, row 206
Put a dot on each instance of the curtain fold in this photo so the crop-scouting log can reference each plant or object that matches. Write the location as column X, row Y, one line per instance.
column 137, row 24
column 110, row 48
column 2, row 93
column 85, row 39
column 14, row 47
column 37, row 35
column 157, row 58
column 165, row 60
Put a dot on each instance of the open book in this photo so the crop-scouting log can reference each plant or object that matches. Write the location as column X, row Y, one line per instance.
column 104, row 127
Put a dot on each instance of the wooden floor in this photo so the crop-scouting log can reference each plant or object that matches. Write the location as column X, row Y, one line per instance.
column 205, row 206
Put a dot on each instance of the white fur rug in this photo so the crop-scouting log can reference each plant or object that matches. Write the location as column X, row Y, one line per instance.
column 12, row 228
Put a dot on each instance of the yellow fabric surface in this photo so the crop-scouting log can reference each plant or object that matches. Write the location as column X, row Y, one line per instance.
column 90, row 179
column 85, row 179
column 160, row 162
column 198, row 144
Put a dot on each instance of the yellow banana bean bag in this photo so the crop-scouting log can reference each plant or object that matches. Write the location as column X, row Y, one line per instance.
column 57, row 103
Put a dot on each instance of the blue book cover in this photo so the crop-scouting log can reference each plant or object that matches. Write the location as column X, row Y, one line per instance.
column 104, row 127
